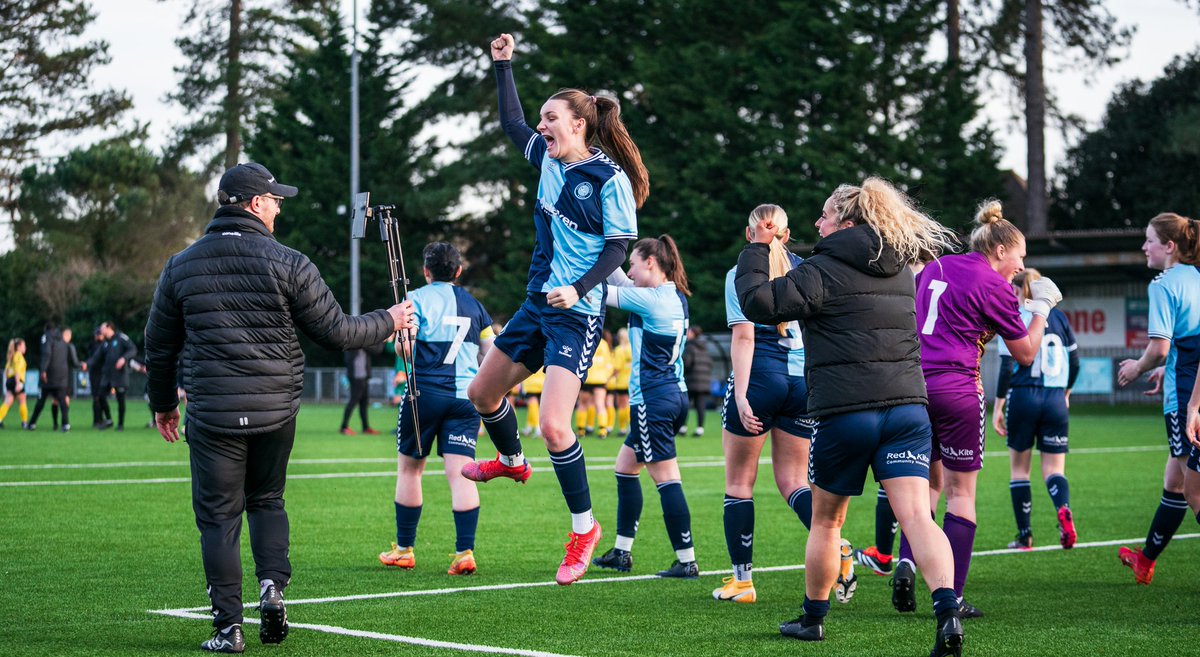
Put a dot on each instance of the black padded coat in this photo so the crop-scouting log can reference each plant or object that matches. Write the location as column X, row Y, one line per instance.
column 857, row 301
column 231, row 303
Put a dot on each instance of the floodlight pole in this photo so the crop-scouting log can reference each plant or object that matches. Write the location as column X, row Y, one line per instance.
column 355, row 291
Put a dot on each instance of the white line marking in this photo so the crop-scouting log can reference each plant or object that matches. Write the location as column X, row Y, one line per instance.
column 629, row 578
column 536, row 460
column 294, row 477
column 380, row 636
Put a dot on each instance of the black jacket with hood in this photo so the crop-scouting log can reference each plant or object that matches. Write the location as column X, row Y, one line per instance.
column 231, row 303
column 857, row 301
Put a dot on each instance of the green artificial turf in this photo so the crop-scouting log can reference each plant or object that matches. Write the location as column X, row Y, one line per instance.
column 81, row 566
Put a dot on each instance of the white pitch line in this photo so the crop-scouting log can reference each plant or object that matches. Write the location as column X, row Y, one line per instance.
column 536, row 460
column 599, row 463
column 294, row 477
column 628, row 578
column 380, row 636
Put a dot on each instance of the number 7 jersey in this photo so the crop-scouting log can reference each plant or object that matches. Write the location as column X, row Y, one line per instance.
column 962, row 303
column 450, row 325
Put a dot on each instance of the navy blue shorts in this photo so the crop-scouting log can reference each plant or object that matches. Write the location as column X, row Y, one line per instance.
column 1177, row 442
column 894, row 442
column 655, row 422
column 452, row 421
column 1193, row 462
column 539, row 335
column 778, row 400
column 1037, row 415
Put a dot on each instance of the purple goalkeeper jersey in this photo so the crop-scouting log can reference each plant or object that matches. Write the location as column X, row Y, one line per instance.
column 962, row 303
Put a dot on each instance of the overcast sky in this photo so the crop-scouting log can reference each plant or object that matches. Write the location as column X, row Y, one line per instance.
column 141, row 37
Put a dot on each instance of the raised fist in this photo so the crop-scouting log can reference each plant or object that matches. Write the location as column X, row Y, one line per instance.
column 502, row 47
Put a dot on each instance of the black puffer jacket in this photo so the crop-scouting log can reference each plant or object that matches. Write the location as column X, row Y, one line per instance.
column 119, row 347
column 231, row 303
column 55, row 362
column 859, row 312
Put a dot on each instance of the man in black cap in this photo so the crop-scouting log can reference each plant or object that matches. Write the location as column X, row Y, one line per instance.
column 230, row 304
column 119, row 351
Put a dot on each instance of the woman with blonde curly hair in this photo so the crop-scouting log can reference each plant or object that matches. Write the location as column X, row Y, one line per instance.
column 855, row 296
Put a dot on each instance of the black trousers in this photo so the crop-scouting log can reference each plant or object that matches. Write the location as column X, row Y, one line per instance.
column 360, row 398
column 700, row 402
column 230, row 475
column 120, row 394
column 59, row 395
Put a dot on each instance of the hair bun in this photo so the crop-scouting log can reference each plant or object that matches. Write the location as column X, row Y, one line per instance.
column 989, row 212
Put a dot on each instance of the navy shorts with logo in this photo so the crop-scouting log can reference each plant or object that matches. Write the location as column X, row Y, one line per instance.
column 777, row 399
column 1037, row 415
column 452, row 421
column 655, row 423
column 894, row 442
column 1177, row 442
column 539, row 335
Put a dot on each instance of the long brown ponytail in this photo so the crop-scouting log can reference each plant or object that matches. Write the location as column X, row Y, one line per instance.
column 666, row 254
column 1184, row 232
column 606, row 130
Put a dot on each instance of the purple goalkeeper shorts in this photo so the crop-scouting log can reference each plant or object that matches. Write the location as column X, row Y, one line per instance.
column 958, row 429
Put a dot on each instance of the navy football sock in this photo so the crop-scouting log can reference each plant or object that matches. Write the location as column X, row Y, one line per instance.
column 1022, row 504
column 801, row 502
column 629, row 505
column 886, row 526
column 676, row 515
column 572, row 477
column 407, row 518
column 465, row 523
column 1170, row 514
column 816, row 609
column 1060, row 491
column 739, row 532
column 944, row 602
column 502, row 429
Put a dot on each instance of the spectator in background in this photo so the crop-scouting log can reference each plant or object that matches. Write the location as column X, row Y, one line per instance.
column 697, row 373
column 117, row 354
column 72, row 367
column 55, row 376
column 101, row 415
column 358, row 372
column 14, row 381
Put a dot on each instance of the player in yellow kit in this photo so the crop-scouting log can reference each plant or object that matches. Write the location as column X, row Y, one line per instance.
column 618, row 388
column 531, row 392
column 14, row 381
column 589, row 410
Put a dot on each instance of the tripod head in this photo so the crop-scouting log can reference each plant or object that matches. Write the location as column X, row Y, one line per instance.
column 362, row 211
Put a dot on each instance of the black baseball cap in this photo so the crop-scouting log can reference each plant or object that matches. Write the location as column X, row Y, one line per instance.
column 245, row 181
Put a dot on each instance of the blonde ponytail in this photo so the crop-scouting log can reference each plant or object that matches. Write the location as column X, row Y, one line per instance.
column 780, row 259
column 895, row 218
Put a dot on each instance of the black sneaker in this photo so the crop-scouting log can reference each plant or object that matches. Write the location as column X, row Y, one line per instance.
column 66, row 428
column 226, row 639
column 948, row 642
column 804, row 629
column 1022, row 542
column 274, row 628
column 615, row 559
column 105, row 424
column 903, row 597
column 967, row 610
column 681, row 570
column 29, row 426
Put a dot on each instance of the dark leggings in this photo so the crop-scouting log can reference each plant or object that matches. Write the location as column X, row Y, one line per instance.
column 59, row 395
column 700, row 402
column 120, row 405
column 359, row 397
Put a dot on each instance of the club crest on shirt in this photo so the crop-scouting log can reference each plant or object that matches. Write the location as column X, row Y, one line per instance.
column 583, row 190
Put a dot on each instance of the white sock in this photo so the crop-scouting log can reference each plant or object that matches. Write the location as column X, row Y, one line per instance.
column 262, row 586
column 513, row 460
column 686, row 555
column 741, row 572
column 624, row 543
column 582, row 523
